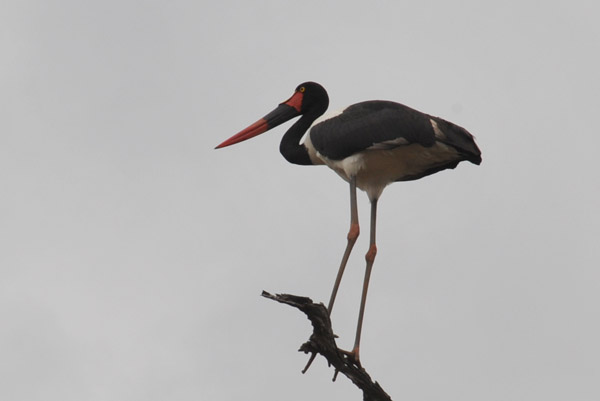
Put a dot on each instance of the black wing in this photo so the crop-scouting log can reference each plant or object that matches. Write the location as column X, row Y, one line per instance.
column 379, row 124
column 375, row 124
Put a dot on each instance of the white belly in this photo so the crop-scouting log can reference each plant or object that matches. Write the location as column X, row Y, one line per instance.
column 375, row 169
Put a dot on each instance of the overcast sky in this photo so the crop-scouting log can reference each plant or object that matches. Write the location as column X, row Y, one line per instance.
column 133, row 254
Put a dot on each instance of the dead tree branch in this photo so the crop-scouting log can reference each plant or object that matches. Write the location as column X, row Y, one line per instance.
column 322, row 342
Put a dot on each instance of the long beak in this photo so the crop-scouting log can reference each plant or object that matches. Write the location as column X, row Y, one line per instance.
column 284, row 112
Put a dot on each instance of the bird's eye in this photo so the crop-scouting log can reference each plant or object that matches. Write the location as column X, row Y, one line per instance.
column 301, row 89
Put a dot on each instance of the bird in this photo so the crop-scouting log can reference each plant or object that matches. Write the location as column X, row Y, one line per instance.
column 370, row 145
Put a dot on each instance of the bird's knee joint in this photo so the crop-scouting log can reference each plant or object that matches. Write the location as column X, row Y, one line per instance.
column 370, row 256
column 354, row 232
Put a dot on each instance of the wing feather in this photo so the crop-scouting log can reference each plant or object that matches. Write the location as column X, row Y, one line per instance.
column 385, row 125
column 374, row 125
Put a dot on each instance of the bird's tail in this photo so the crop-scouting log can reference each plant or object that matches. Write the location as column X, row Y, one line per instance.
column 460, row 139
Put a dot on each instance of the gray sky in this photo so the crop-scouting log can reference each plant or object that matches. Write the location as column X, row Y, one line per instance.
column 133, row 254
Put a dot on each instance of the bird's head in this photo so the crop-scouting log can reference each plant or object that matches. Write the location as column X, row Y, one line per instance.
column 313, row 98
column 308, row 98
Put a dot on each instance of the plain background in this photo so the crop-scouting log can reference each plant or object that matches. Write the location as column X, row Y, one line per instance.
column 133, row 254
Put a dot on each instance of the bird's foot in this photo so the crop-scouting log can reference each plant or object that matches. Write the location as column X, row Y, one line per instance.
column 352, row 356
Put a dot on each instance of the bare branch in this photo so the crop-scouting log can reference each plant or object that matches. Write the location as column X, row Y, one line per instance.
column 322, row 342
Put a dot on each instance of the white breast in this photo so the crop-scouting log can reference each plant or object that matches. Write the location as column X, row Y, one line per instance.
column 375, row 169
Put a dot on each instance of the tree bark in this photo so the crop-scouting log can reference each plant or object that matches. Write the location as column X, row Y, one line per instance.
column 322, row 342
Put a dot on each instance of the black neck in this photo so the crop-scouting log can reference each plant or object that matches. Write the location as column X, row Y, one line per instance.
column 290, row 146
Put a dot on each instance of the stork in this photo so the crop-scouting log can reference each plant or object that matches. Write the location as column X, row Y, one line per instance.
column 370, row 145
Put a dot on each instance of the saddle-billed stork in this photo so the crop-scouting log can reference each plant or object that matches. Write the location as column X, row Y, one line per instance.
column 370, row 145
